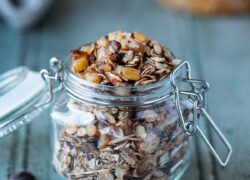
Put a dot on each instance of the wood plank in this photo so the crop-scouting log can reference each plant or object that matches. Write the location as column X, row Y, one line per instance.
column 188, row 50
column 63, row 30
column 224, row 55
column 11, row 49
column 12, row 52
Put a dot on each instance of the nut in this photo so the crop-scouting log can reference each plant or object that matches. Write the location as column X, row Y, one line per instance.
column 92, row 130
column 81, row 132
column 93, row 77
column 71, row 129
column 121, row 142
column 104, row 58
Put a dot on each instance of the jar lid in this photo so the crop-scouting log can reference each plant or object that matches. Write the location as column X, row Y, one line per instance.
column 21, row 91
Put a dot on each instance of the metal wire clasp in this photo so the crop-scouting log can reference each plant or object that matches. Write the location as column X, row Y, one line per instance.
column 197, row 97
column 57, row 67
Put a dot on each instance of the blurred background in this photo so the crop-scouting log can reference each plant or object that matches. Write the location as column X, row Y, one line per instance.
column 212, row 35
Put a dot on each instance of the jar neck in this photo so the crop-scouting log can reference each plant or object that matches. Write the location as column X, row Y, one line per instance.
column 82, row 90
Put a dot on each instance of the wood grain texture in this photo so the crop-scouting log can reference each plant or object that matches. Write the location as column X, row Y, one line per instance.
column 59, row 33
column 224, row 50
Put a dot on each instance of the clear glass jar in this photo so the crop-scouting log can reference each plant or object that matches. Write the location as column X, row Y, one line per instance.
column 109, row 132
column 105, row 132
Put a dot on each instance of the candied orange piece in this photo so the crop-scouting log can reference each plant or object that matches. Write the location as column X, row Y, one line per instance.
column 140, row 37
column 131, row 73
column 80, row 64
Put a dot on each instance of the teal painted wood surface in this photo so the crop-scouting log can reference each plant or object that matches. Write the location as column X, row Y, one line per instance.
column 217, row 48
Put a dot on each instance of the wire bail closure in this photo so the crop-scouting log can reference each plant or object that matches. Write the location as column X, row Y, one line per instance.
column 57, row 67
column 197, row 97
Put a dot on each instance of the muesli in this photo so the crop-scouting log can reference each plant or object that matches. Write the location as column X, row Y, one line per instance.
column 106, row 142
column 123, row 59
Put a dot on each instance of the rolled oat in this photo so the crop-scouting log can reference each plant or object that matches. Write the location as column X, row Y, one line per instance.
column 119, row 142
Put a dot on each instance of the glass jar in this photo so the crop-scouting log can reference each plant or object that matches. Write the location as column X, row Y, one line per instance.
column 118, row 132
column 105, row 132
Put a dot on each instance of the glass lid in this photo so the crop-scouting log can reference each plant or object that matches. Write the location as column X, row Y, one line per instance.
column 21, row 92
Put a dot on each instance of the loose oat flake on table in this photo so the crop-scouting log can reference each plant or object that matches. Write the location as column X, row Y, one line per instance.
column 121, row 142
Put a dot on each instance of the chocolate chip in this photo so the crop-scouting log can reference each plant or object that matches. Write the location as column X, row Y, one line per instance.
column 22, row 176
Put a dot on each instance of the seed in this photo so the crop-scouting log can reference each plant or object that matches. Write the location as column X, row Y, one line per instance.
column 80, row 64
column 71, row 129
column 140, row 37
column 91, row 130
column 81, row 132
column 93, row 77
column 131, row 73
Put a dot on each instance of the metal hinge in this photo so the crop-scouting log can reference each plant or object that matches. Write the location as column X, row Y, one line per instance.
column 197, row 97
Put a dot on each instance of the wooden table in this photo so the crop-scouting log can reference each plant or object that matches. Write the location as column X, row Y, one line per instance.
column 217, row 48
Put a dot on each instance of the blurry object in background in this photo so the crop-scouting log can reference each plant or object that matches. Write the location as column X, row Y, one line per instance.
column 23, row 14
column 22, row 176
column 210, row 7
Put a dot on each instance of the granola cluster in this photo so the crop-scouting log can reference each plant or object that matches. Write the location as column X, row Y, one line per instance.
column 97, row 142
column 123, row 59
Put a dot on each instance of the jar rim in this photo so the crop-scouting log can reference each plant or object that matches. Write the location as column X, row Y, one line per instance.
column 86, row 91
column 164, row 81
